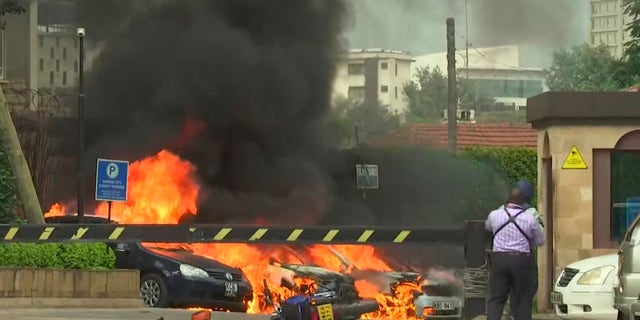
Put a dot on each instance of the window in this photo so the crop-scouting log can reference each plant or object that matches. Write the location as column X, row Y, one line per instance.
column 57, row 41
column 384, row 88
column 594, row 8
column 625, row 191
column 355, row 69
column 64, row 78
column 396, row 64
column 51, row 53
column 396, row 90
column 64, row 53
column 75, row 66
column 41, row 64
column 57, row 65
column 384, row 66
column 50, row 77
column 41, row 40
column 356, row 93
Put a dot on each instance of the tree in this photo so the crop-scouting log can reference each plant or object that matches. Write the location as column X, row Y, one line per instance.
column 631, row 72
column 427, row 96
column 10, row 7
column 369, row 118
column 584, row 68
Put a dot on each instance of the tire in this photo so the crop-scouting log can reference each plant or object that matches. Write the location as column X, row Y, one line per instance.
column 153, row 291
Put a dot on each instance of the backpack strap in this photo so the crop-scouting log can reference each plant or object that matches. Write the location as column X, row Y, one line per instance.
column 512, row 219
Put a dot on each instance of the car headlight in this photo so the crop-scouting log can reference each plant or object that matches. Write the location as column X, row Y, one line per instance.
column 595, row 276
column 192, row 272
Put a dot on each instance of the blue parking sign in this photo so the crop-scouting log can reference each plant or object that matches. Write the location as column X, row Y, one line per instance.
column 111, row 180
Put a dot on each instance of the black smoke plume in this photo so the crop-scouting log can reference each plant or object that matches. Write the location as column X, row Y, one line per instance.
column 254, row 75
column 241, row 88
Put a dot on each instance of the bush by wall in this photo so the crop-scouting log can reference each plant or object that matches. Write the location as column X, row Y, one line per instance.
column 85, row 256
column 8, row 199
column 512, row 163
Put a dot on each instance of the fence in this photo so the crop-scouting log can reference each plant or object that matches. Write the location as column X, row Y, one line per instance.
column 472, row 236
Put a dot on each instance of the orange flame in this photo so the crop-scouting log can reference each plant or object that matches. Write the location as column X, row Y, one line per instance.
column 162, row 188
column 57, row 209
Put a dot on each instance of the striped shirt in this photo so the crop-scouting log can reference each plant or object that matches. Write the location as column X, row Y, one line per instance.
column 510, row 239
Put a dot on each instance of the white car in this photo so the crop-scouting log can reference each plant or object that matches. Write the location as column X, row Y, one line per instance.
column 584, row 289
column 439, row 298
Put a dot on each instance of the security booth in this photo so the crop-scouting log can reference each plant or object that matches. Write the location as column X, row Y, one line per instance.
column 588, row 175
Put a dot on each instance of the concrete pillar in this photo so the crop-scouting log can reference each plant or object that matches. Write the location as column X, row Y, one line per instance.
column 32, row 49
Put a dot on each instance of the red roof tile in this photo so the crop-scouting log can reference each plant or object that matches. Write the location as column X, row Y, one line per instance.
column 469, row 135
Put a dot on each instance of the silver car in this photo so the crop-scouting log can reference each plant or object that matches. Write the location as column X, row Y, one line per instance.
column 438, row 299
column 627, row 288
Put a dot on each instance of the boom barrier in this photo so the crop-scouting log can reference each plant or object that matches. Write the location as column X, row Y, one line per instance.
column 229, row 234
column 472, row 236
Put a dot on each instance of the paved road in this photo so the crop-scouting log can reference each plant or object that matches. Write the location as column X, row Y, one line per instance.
column 115, row 314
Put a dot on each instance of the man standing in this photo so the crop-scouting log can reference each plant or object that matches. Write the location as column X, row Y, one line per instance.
column 513, row 271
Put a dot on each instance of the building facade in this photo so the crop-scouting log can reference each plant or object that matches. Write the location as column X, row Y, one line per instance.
column 374, row 75
column 493, row 72
column 608, row 25
column 58, row 56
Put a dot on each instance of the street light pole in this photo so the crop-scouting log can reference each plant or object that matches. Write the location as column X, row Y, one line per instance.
column 80, row 156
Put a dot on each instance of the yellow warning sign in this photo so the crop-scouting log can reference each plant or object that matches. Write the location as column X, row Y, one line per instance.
column 574, row 160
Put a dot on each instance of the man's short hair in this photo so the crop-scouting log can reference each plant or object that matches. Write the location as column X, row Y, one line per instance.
column 516, row 196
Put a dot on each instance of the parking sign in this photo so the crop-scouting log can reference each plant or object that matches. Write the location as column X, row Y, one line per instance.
column 111, row 180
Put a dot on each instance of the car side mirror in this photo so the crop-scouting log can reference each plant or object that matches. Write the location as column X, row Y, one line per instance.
column 122, row 247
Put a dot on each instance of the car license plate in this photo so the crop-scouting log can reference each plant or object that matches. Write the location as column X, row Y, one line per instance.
column 443, row 305
column 230, row 289
column 556, row 297
column 325, row 312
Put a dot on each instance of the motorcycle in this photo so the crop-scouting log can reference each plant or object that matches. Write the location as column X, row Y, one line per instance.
column 331, row 297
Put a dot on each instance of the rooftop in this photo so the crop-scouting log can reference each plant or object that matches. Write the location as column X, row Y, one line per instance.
column 469, row 135
column 376, row 53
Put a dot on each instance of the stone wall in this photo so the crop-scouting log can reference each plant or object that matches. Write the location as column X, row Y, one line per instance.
column 68, row 288
column 573, row 196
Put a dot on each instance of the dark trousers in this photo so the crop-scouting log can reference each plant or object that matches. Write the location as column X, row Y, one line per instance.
column 534, row 287
column 512, row 275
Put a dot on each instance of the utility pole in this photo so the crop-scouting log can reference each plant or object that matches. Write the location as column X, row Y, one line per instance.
column 466, row 39
column 80, row 156
column 24, row 183
column 452, row 117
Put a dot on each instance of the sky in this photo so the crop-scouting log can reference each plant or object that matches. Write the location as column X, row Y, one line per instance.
column 418, row 26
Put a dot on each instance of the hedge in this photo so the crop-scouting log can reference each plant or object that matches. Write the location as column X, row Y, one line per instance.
column 86, row 256
column 512, row 163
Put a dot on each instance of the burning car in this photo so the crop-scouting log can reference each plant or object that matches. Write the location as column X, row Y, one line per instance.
column 438, row 298
column 313, row 288
column 176, row 277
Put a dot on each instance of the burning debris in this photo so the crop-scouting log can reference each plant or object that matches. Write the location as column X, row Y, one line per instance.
column 166, row 197
column 223, row 100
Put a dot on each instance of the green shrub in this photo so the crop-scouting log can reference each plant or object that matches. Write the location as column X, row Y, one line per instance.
column 85, row 256
column 8, row 199
column 512, row 163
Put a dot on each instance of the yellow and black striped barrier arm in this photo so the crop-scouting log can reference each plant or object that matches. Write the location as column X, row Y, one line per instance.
column 228, row 234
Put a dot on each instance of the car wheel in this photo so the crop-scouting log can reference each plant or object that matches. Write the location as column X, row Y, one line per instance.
column 153, row 291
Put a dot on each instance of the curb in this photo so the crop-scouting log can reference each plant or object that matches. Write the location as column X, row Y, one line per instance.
column 102, row 303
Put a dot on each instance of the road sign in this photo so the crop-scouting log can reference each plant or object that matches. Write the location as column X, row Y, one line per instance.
column 367, row 176
column 111, row 180
column 574, row 160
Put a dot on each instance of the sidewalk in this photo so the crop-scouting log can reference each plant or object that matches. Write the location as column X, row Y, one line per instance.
column 535, row 316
